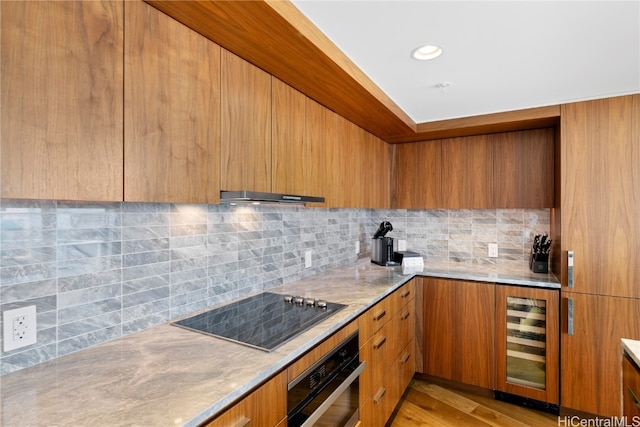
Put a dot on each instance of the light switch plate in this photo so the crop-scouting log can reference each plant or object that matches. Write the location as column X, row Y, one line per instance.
column 307, row 259
column 493, row 250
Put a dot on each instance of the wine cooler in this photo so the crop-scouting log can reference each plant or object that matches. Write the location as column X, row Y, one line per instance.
column 527, row 350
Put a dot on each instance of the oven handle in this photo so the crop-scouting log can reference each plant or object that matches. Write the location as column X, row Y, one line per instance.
column 334, row 396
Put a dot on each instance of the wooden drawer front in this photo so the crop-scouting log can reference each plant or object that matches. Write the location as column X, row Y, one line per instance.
column 376, row 410
column 377, row 352
column 404, row 325
column 406, row 362
column 402, row 296
column 374, row 319
column 630, row 389
column 252, row 410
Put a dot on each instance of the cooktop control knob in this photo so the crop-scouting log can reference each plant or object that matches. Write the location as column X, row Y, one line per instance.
column 288, row 299
column 321, row 303
column 298, row 300
column 310, row 302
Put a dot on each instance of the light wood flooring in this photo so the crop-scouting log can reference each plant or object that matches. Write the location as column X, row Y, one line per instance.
column 430, row 405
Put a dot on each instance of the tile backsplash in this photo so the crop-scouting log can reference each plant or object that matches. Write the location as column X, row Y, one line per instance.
column 98, row 271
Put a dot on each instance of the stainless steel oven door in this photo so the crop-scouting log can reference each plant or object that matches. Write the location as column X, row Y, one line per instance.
column 340, row 408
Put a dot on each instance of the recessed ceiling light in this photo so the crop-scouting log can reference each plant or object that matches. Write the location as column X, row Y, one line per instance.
column 426, row 52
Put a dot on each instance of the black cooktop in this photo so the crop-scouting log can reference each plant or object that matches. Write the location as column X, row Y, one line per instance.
column 263, row 321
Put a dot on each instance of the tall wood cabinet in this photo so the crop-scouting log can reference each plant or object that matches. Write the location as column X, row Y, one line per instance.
column 598, row 221
column 61, row 103
column 320, row 126
column 172, row 110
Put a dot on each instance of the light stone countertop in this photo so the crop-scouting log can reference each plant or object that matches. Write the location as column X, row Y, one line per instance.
column 632, row 348
column 169, row 376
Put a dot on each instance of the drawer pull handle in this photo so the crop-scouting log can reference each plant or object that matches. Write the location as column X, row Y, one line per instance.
column 379, row 315
column 242, row 422
column 378, row 397
column 570, row 316
column 405, row 358
column 634, row 398
column 380, row 342
column 570, row 269
column 405, row 315
column 405, row 293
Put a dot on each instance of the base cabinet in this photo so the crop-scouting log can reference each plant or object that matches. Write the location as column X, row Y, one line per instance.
column 630, row 389
column 459, row 331
column 252, row 410
column 388, row 349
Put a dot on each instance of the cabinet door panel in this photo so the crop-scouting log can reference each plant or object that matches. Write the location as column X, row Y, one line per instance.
column 246, row 126
column 600, row 195
column 523, row 169
column 320, row 132
column 288, row 144
column 418, row 175
column 61, row 101
column 172, row 110
column 459, row 329
column 591, row 356
column 467, row 172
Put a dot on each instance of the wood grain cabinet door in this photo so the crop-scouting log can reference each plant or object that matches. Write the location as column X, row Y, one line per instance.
column 320, row 131
column 246, row 126
column 592, row 352
column 600, row 181
column 418, row 175
column 172, row 110
column 467, row 173
column 61, row 102
column 459, row 331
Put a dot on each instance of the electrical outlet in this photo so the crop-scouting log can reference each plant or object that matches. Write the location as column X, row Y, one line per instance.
column 493, row 250
column 19, row 327
column 307, row 259
column 357, row 247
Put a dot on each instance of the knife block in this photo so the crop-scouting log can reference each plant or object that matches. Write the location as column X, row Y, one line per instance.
column 539, row 263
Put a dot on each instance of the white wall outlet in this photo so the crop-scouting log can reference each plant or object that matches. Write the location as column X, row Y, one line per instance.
column 307, row 259
column 402, row 245
column 493, row 250
column 357, row 247
column 19, row 327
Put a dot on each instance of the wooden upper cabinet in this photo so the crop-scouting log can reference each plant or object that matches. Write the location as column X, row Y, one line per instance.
column 345, row 165
column 61, row 100
column 172, row 110
column 418, row 175
column 377, row 159
column 600, row 200
column 320, row 129
column 523, row 169
column 245, row 154
column 288, row 144
column 467, row 172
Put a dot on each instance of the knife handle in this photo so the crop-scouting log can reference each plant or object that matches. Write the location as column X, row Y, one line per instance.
column 570, row 269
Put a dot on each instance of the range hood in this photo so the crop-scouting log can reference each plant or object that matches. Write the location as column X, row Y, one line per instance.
column 255, row 196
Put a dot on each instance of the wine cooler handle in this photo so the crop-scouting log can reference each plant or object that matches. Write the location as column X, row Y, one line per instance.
column 570, row 316
column 570, row 269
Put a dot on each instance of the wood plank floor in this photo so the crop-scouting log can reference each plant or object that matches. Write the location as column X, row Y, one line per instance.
column 430, row 405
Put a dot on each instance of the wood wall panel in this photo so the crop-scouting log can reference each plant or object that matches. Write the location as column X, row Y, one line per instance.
column 172, row 110
column 61, row 101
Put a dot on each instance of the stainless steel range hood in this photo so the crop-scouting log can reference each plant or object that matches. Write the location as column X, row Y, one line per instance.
column 255, row 196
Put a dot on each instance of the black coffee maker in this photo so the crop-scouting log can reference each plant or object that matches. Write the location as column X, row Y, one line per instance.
column 382, row 247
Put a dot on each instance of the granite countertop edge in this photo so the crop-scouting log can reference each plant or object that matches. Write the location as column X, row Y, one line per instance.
column 361, row 285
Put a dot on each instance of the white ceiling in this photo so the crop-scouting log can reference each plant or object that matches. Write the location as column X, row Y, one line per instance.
column 498, row 55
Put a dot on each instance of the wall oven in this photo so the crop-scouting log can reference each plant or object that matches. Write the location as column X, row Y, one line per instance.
column 327, row 393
